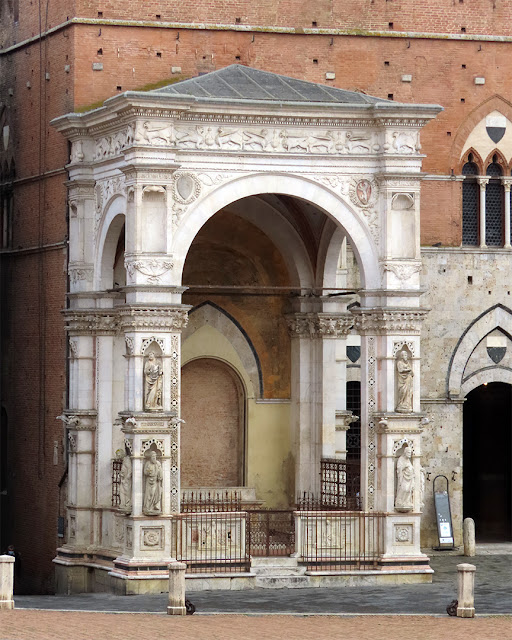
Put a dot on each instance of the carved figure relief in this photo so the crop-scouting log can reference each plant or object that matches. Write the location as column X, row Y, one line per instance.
column 153, row 383
column 125, row 488
column 404, row 481
column 154, row 134
column 152, row 503
column 404, row 142
column 404, row 385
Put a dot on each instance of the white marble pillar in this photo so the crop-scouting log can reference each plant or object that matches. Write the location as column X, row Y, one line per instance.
column 482, row 182
column 506, row 185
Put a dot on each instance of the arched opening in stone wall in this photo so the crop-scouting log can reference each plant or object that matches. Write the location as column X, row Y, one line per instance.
column 260, row 260
column 487, row 460
column 213, row 438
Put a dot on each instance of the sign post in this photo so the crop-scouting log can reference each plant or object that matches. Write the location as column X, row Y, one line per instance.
column 443, row 516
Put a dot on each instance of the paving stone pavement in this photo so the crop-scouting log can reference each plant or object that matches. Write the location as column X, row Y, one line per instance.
column 67, row 625
column 493, row 595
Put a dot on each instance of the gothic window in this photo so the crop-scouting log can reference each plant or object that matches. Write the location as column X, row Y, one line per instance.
column 470, row 196
column 494, row 205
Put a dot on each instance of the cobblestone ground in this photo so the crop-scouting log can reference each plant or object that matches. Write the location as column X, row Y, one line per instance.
column 49, row 625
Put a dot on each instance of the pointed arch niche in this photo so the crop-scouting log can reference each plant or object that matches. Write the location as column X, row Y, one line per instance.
column 471, row 364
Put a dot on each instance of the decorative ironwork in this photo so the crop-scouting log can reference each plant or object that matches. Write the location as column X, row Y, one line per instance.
column 211, row 501
column 340, row 481
column 341, row 540
column 271, row 533
column 213, row 542
column 116, row 482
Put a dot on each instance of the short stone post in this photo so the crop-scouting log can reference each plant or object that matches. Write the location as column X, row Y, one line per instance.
column 177, row 589
column 466, row 591
column 6, row 582
column 469, row 537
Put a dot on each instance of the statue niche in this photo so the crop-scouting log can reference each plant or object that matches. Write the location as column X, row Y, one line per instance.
column 404, row 382
column 153, row 380
column 152, row 483
column 404, row 495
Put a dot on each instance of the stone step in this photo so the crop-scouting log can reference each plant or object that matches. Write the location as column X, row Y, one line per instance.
column 276, row 566
column 282, row 582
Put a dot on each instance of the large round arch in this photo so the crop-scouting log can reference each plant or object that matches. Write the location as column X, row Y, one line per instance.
column 113, row 220
column 316, row 194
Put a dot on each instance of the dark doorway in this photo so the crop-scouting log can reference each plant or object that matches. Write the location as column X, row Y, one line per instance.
column 487, row 458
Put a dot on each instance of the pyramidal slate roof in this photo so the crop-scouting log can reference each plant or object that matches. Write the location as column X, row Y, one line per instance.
column 237, row 82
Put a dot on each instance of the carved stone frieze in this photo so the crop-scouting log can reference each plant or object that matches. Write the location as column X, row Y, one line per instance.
column 85, row 322
column 402, row 270
column 109, row 321
column 80, row 271
column 384, row 321
column 79, row 421
column 112, row 145
column 153, row 268
column 104, row 191
column 319, row 325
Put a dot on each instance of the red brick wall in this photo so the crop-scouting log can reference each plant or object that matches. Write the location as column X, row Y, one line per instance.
column 213, row 436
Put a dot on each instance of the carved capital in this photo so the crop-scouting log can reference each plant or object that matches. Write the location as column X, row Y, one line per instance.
column 319, row 325
column 401, row 269
column 388, row 321
column 482, row 182
column 169, row 319
column 90, row 321
column 80, row 271
column 152, row 268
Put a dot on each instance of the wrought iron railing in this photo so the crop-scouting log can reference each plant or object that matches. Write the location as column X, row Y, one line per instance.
column 211, row 501
column 116, row 481
column 340, row 540
column 213, row 541
column 271, row 533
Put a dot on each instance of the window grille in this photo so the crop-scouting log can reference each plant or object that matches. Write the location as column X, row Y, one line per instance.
column 470, row 198
column 494, row 207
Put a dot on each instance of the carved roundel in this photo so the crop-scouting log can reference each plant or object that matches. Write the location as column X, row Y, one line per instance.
column 186, row 187
column 363, row 192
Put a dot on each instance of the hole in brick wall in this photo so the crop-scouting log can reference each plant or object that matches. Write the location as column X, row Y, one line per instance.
column 390, row 96
column 315, row 60
column 461, row 1
column 470, row 279
column 100, row 52
column 158, row 54
column 158, row 16
column 390, row 25
column 238, row 20
column 463, row 99
column 463, row 66
column 119, row 88
column 448, row 133
column 386, row 63
column 313, row 24
column 237, row 57
column 463, row 29
column 100, row 14
column 490, row 292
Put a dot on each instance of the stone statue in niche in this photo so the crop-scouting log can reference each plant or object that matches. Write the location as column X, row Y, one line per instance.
column 125, row 487
column 405, row 376
column 153, row 383
column 152, row 503
column 404, row 481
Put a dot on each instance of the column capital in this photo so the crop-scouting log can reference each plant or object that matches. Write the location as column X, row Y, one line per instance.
column 381, row 321
column 319, row 325
column 91, row 321
column 166, row 318
column 482, row 181
column 506, row 181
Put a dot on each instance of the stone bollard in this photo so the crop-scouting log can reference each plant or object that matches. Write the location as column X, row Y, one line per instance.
column 466, row 591
column 469, row 537
column 6, row 582
column 177, row 589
